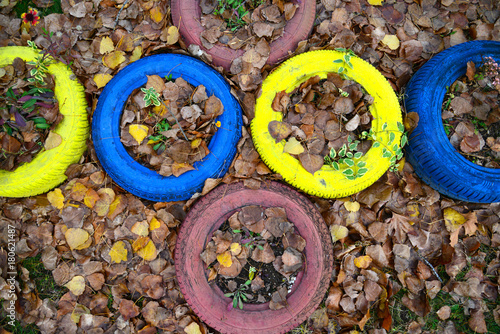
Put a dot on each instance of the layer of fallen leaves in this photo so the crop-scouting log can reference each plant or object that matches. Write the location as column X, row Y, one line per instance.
column 472, row 117
column 20, row 138
column 262, row 238
column 320, row 115
column 263, row 20
column 186, row 111
column 400, row 231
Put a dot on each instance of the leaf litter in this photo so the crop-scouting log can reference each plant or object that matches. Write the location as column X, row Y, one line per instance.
column 400, row 224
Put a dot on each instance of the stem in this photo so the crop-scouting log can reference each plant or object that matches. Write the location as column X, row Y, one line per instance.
column 428, row 264
column 176, row 121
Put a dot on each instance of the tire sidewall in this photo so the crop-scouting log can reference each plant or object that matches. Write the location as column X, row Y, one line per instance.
column 430, row 151
column 135, row 177
column 208, row 301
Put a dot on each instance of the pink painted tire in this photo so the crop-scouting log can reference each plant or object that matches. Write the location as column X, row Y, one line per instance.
column 186, row 15
column 208, row 301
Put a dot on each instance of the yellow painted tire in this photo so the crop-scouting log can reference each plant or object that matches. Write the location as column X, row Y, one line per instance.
column 47, row 169
column 326, row 182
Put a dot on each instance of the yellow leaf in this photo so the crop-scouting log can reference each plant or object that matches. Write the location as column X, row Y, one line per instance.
column 218, row 124
column 363, row 262
column 91, row 197
column 452, row 219
column 172, row 35
column 196, row 143
column 102, row 79
column 391, row 41
column 106, row 197
column 77, row 238
column 106, row 45
column 116, row 207
column 338, row 232
column 141, row 228
column 148, row 252
column 138, row 131
column 114, row 59
column 192, row 328
column 78, row 311
column 78, row 191
column 180, row 168
column 76, row 285
column 139, row 243
column 235, row 248
column 136, row 54
column 56, row 198
column 160, row 110
column 156, row 82
column 53, row 140
column 352, row 206
column 225, row 259
column 293, row 146
column 156, row 14
column 118, row 252
column 375, row 2
column 154, row 224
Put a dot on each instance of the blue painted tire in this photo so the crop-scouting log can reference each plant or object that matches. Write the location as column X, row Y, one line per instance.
column 136, row 178
column 429, row 151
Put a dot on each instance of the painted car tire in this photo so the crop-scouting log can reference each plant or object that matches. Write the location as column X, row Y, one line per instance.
column 47, row 169
column 186, row 14
column 326, row 182
column 138, row 179
column 429, row 151
column 208, row 301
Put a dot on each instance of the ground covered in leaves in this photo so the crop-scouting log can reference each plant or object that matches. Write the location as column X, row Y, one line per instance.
column 94, row 258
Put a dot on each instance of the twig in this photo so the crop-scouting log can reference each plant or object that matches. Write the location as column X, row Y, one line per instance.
column 119, row 12
column 428, row 264
column 176, row 121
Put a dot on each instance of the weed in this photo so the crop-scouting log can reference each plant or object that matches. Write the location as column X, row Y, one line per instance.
column 157, row 138
column 239, row 295
column 238, row 9
column 23, row 7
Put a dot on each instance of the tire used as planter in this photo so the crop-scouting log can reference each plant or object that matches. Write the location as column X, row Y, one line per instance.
column 186, row 14
column 47, row 169
column 429, row 151
column 208, row 301
column 136, row 178
column 326, row 182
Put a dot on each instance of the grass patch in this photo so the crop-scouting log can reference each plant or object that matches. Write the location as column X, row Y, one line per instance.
column 22, row 7
column 43, row 279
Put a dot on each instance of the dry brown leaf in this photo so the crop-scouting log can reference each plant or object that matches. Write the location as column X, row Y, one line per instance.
column 279, row 130
column 311, row 162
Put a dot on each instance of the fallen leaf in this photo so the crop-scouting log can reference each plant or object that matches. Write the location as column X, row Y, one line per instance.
column 128, row 309
column 235, row 248
column 192, row 328
column 77, row 238
column 101, row 79
column 118, row 252
column 140, row 228
column 311, row 162
column 56, row 198
column 114, row 59
column 477, row 322
column 471, row 70
column 145, row 248
column 352, row 206
column 76, row 285
column 156, row 14
column 91, row 197
column 279, row 130
column 391, row 41
column 78, row 311
column 180, row 168
column 471, row 144
column 338, row 232
column 138, row 131
column 136, row 54
column 225, row 259
column 156, row 82
column 106, row 45
column 363, row 262
column 170, row 35
column 53, row 140
column 293, row 146
column 453, row 220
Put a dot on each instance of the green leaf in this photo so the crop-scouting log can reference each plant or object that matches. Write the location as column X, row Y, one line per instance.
column 228, row 294
column 42, row 126
column 335, row 165
column 39, row 120
column 244, row 297
column 349, row 154
column 341, row 69
column 387, row 154
column 333, row 154
column 348, row 171
column 404, row 140
column 376, row 144
column 361, row 164
column 395, row 147
column 384, row 126
column 347, row 57
column 349, row 162
column 399, row 156
column 338, row 61
column 349, row 139
column 393, row 160
column 351, row 177
column 260, row 247
column 343, row 150
column 350, row 65
column 157, row 146
column 392, row 136
column 401, row 127
column 362, row 171
column 358, row 155
column 353, row 146
column 235, row 302
column 236, row 231
column 341, row 49
column 240, row 304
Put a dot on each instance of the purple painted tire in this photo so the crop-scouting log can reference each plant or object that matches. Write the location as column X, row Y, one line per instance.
column 208, row 301
column 186, row 14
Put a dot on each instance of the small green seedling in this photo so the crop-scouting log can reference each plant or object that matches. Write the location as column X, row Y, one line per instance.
column 239, row 296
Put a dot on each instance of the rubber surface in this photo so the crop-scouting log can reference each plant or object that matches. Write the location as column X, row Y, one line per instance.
column 47, row 169
column 134, row 177
column 186, row 14
column 208, row 301
column 326, row 182
column 429, row 151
